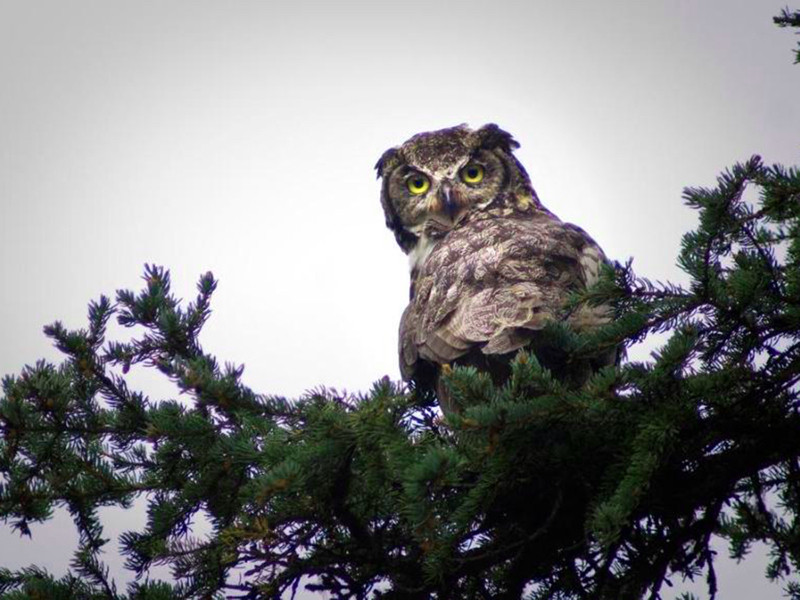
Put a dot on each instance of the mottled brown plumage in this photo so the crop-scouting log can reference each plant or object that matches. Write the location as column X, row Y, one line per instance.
column 490, row 266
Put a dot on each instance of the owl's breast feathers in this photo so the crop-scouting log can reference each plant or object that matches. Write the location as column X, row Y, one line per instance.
column 492, row 283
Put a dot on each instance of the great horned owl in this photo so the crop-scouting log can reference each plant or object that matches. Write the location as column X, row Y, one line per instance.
column 489, row 264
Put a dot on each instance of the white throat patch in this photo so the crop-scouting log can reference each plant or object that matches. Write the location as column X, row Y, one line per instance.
column 419, row 254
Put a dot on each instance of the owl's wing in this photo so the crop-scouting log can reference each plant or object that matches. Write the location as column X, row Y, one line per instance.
column 591, row 260
column 492, row 285
column 409, row 355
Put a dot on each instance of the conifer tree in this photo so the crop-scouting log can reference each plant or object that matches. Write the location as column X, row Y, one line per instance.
column 535, row 490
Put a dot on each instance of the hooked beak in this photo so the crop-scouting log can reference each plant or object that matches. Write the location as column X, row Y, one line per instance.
column 449, row 205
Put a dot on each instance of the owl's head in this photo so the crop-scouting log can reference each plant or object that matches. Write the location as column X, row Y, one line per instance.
column 435, row 179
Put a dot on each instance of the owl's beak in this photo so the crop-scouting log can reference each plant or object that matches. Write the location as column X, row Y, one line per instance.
column 449, row 205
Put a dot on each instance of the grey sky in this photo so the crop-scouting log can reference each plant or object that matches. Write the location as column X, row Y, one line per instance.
column 239, row 137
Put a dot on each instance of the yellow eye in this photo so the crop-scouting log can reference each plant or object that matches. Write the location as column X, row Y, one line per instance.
column 472, row 174
column 418, row 184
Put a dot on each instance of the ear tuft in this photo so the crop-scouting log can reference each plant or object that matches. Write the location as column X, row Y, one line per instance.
column 387, row 161
column 491, row 136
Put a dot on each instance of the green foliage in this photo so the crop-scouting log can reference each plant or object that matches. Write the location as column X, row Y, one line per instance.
column 536, row 489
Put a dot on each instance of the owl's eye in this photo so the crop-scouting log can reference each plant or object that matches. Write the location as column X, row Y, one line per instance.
column 418, row 184
column 472, row 174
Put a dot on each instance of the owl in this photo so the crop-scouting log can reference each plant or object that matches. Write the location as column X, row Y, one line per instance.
column 490, row 265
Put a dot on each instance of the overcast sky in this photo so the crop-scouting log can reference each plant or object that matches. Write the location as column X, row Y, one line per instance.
column 240, row 137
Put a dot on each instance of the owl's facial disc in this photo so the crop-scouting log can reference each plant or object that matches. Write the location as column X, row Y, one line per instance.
column 436, row 179
column 430, row 197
